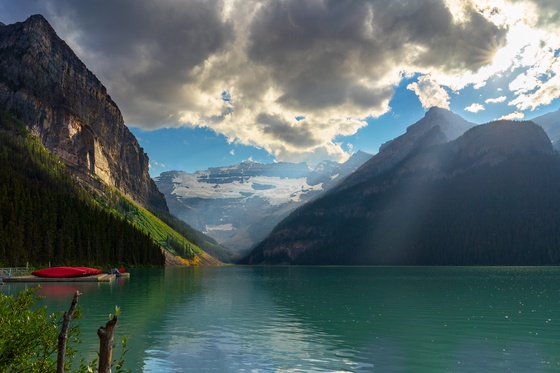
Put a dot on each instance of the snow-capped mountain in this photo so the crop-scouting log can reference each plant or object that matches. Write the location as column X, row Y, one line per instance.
column 239, row 205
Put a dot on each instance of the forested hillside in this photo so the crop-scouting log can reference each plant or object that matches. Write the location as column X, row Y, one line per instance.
column 69, row 112
column 45, row 218
column 489, row 216
column 492, row 197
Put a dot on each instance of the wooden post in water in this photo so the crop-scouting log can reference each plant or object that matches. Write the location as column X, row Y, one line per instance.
column 106, row 335
column 63, row 336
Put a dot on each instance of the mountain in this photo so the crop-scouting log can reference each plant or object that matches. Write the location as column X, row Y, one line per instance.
column 551, row 124
column 437, row 126
column 46, row 218
column 239, row 205
column 490, row 197
column 46, row 85
column 45, row 88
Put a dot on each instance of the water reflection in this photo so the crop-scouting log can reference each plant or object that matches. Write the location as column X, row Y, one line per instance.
column 429, row 319
column 144, row 299
column 233, row 324
column 325, row 319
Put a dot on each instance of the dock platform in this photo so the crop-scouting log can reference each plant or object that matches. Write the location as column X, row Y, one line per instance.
column 103, row 277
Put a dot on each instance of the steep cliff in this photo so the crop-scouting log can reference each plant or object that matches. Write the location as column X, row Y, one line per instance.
column 46, row 85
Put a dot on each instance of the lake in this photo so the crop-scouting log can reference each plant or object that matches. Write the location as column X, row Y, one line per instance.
column 326, row 319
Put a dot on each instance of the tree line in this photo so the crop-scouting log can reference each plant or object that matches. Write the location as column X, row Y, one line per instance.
column 46, row 218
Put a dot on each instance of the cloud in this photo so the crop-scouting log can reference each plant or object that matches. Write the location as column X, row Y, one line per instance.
column 546, row 93
column 528, row 55
column 154, row 163
column 430, row 93
column 475, row 108
column 496, row 100
column 514, row 116
column 539, row 85
column 251, row 69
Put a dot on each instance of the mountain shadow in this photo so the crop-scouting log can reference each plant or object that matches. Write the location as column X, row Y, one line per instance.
column 491, row 197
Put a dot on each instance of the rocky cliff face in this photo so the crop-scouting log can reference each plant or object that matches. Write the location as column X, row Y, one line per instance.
column 46, row 85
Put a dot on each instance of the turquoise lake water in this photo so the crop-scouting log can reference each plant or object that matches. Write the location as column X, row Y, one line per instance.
column 326, row 319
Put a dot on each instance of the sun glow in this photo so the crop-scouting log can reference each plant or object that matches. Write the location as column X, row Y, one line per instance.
column 522, row 48
column 526, row 57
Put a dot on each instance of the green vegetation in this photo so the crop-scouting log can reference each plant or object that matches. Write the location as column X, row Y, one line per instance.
column 166, row 230
column 29, row 337
column 206, row 243
column 45, row 217
column 160, row 232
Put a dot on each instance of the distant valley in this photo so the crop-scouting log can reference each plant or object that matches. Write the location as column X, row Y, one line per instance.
column 238, row 205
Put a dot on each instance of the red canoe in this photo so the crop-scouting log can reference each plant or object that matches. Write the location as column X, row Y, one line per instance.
column 60, row 272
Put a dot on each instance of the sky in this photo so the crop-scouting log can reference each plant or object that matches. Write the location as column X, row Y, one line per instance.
column 207, row 83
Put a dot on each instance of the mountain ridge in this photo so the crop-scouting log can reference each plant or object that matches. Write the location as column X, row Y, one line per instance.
column 418, row 134
column 406, row 214
column 550, row 122
column 239, row 204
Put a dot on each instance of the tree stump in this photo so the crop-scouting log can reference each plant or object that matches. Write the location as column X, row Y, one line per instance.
column 106, row 335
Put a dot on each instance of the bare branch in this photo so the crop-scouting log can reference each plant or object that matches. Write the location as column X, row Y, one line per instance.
column 63, row 336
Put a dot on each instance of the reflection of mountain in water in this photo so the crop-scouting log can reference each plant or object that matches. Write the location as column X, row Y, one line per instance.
column 325, row 319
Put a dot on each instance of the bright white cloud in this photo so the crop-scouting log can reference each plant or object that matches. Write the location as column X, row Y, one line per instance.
column 516, row 115
column 544, row 95
column 530, row 50
column 475, row 108
column 430, row 93
column 154, row 163
column 496, row 100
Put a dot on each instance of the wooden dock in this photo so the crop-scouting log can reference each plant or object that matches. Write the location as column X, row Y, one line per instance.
column 103, row 277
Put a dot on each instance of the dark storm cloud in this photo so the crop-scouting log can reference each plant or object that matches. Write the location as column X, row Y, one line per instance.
column 298, row 136
column 335, row 62
column 317, row 50
column 452, row 47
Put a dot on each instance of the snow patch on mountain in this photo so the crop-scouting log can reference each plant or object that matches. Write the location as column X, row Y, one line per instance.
column 239, row 205
column 275, row 190
column 221, row 227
